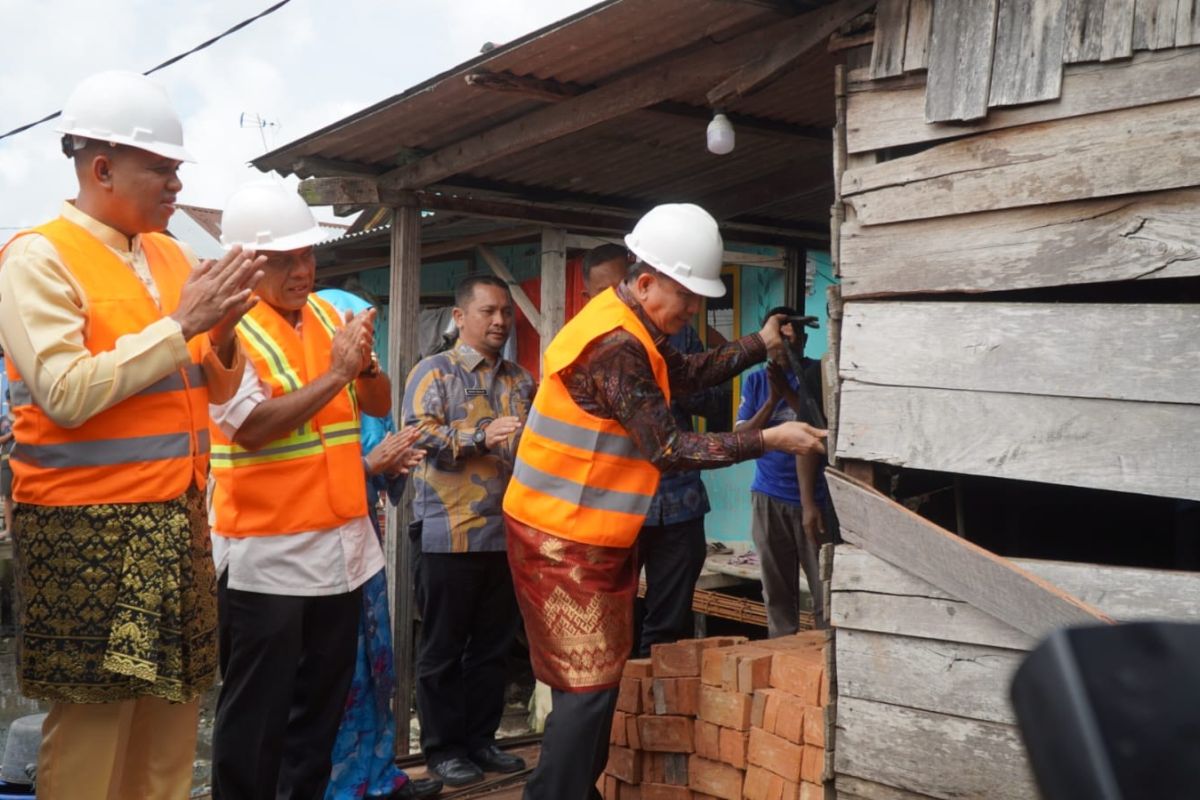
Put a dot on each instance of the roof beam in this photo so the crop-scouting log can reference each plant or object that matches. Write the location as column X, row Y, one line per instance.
column 556, row 91
column 692, row 71
column 778, row 56
column 760, row 191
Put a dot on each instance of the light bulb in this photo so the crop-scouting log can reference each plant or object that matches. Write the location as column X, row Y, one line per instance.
column 720, row 135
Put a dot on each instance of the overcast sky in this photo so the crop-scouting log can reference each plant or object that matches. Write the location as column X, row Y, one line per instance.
column 310, row 63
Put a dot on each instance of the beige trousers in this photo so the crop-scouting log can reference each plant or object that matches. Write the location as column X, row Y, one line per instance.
column 129, row 750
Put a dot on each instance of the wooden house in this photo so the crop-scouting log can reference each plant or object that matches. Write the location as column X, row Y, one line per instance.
column 1018, row 238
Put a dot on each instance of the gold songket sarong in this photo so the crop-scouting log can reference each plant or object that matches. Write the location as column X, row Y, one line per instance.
column 577, row 602
column 116, row 601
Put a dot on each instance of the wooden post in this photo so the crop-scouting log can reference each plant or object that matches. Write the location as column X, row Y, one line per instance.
column 404, row 291
column 554, row 283
column 830, row 367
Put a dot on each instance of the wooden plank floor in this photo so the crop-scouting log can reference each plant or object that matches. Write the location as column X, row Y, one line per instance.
column 495, row 787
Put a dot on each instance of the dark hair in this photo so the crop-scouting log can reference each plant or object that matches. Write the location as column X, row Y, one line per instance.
column 638, row 269
column 465, row 291
column 602, row 255
column 791, row 312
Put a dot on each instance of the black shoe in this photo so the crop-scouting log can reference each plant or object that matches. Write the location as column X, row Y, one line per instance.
column 417, row 789
column 493, row 759
column 457, row 772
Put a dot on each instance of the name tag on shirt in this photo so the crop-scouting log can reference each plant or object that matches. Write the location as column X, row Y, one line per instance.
column 476, row 392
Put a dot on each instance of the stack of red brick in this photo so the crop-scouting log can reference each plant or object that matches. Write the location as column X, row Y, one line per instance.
column 721, row 718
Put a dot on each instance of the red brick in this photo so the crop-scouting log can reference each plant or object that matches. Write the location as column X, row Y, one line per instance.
column 814, row 725
column 776, row 754
column 799, row 672
column 708, row 740
column 676, row 696
column 753, row 671
column 638, row 668
column 733, row 747
column 805, row 640
column 715, row 778
column 624, row 764
column 608, row 787
column 757, row 785
column 629, row 696
column 788, row 718
column 629, row 791
column 676, row 660
column 632, row 735
column 813, row 769
column 758, row 707
column 647, row 695
column 665, row 791
column 727, row 709
column 665, row 768
column 812, row 791
column 666, row 734
column 711, row 663
column 617, row 733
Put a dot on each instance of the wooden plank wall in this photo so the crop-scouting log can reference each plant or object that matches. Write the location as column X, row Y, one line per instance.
column 1098, row 186
column 923, row 678
column 983, row 54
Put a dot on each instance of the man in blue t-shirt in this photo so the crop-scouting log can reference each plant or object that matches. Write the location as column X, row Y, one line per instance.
column 788, row 493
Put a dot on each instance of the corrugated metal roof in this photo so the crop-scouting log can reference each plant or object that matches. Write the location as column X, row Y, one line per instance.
column 634, row 161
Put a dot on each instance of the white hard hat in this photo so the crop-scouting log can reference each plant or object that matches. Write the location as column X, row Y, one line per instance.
column 681, row 241
column 268, row 216
column 125, row 108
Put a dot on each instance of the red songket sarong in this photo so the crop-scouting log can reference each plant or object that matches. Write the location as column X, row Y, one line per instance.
column 577, row 602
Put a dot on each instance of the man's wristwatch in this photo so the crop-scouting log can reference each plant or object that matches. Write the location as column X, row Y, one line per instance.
column 479, row 439
column 372, row 370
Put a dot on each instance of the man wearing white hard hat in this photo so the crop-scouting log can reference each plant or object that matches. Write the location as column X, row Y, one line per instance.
column 599, row 435
column 116, row 342
column 292, row 540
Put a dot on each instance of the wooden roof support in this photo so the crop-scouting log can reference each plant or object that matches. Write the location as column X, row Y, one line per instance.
column 502, row 272
column 816, row 27
column 688, row 72
column 555, row 92
column 966, row 571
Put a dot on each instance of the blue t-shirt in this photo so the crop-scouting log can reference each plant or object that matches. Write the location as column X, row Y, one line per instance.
column 774, row 472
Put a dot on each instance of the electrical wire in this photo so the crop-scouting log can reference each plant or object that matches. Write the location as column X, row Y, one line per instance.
column 166, row 63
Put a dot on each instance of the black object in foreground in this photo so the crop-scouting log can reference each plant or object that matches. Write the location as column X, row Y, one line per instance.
column 1113, row 712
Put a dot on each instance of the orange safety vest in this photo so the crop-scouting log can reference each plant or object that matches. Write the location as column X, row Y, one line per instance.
column 149, row 447
column 578, row 476
column 312, row 479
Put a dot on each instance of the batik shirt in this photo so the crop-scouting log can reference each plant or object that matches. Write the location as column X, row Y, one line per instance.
column 459, row 488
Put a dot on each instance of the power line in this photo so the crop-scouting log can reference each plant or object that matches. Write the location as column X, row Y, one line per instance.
column 166, row 63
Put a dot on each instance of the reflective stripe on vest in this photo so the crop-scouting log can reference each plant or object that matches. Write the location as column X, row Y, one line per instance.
column 312, row 478
column 107, row 452
column 578, row 476
column 153, row 444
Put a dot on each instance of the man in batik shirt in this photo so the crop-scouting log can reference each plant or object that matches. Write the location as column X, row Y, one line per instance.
column 598, row 436
column 469, row 404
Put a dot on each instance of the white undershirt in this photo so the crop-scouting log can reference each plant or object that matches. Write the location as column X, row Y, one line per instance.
column 310, row 563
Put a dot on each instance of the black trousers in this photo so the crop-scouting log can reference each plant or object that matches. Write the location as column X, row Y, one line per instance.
column 469, row 618
column 574, row 747
column 673, row 556
column 286, row 665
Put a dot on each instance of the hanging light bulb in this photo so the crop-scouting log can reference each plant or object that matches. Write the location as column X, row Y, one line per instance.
column 720, row 135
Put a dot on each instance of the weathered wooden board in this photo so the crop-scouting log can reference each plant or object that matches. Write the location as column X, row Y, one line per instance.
column 962, row 34
column 932, row 754
column 1145, row 448
column 891, row 34
column 1117, row 39
column 1154, row 24
column 1085, row 28
column 961, row 568
column 1027, row 63
column 916, row 45
column 943, row 677
column 889, row 116
column 1187, row 23
column 1141, row 150
column 1142, row 237
column 937, row 619
column 852, row 788
column 1125, row 593
column 1027, row 348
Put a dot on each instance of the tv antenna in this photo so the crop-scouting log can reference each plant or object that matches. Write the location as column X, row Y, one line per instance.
column 256, row 121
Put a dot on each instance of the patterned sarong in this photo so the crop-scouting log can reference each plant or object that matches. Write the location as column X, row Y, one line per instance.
column 577, row 602
column 115, row 601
